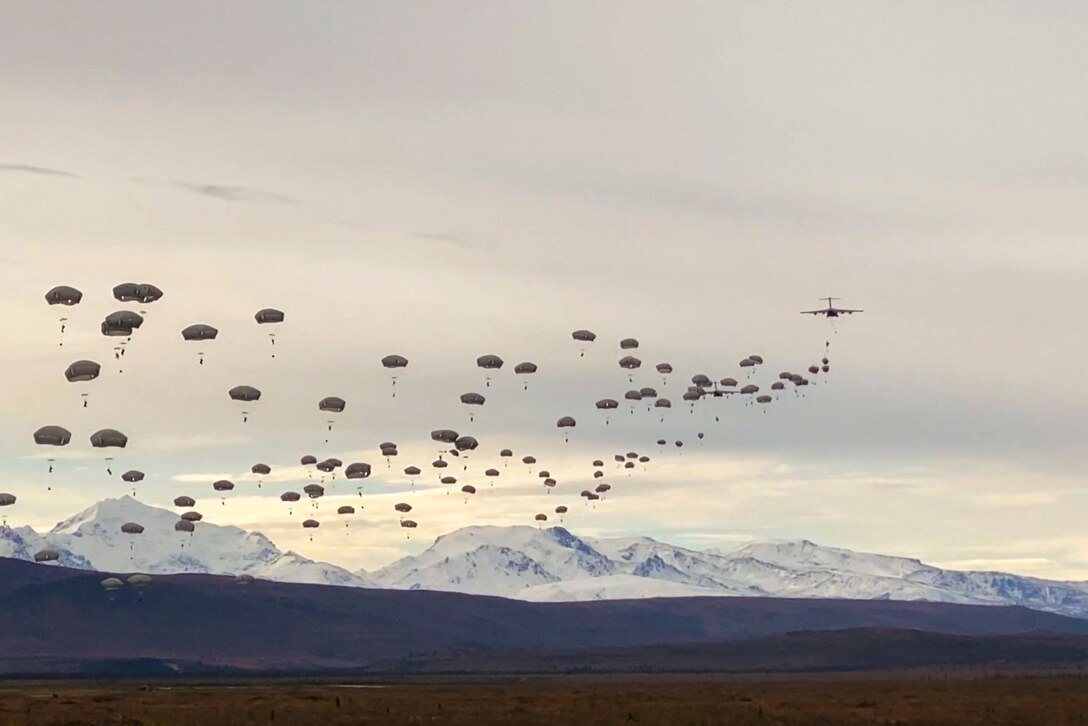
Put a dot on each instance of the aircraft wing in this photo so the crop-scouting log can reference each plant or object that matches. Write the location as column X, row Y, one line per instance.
column 814, row 312
column 849, row 311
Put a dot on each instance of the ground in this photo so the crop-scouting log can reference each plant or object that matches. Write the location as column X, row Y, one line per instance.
column 929, row 697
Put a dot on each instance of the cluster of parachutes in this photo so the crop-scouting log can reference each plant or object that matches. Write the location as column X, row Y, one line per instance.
column 451, row 445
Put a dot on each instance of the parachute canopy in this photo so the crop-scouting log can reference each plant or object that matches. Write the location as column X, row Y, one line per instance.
column 332, row 403
column 82, row 371
column 52, row 436
column 269, row 315
column 358, row 470
column 244, row 393
column 108, row 438
column 394, row 361
column 199, row 331
column 63, row 295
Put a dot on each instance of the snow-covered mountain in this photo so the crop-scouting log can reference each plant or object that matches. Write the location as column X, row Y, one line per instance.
column 555, row 565
column 543, row 565
column 93, row 540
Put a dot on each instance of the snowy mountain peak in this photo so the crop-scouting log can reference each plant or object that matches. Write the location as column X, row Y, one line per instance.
column 805, row 554
column 92, row 539
column 108, row 511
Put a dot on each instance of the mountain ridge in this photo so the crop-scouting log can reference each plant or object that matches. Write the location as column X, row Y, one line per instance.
column 539, row 564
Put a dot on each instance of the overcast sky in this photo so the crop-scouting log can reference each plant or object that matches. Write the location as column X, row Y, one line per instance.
column 445, row 180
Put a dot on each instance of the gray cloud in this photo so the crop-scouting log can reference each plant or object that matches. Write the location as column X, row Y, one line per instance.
column 38, row 170
column 235, row 193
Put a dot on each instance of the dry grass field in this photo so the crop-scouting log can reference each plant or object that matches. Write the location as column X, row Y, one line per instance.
column 912, row 698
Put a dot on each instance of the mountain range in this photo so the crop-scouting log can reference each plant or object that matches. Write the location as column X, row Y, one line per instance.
column 539, row 564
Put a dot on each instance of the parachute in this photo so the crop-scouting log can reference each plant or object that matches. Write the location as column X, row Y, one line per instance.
column 120, row 321
column 628, row 344
column 523, row 369
column 245, row 579
column 329, row 465
column 66, row 297
column 53, row 436
column 560, row 509
column 346, row 509
column 183, row 525
column 63, row 295
column 268, row 315
column 290, row 497
column 393, row 362
column 184, row 502
column 445, row 436
column 466, row 443
column 132, row 528
column 139, row 580
column 137, row 292
column 308, row 460
column 223, row 485
column 107, row 439
column 197, row 333
column 112, row 583
column 47, row 555
column 489, row 363
column 472, row 399
column 541, row 517
column 332, row 404
column 244, row 394
column 133, row 476
column 403, row 507
column 311, row 524
column 583, row 336
column 192, row 516
column 260, row 470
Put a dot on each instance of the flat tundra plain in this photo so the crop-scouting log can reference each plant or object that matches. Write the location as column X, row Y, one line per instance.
column 915, row 698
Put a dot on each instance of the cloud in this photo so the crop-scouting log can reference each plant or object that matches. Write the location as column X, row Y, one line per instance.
column 38, row 170
column 235, row 193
